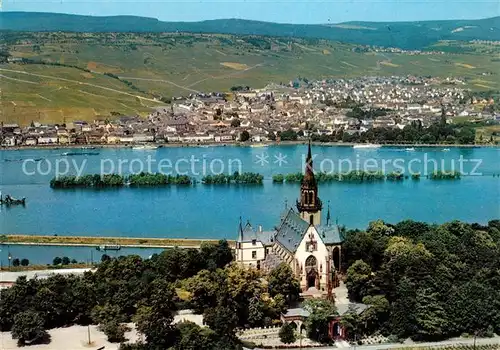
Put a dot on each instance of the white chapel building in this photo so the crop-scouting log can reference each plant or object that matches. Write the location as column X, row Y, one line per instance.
column 312, row 250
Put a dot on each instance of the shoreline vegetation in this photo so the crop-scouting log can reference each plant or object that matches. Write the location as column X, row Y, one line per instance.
column 236, row 178
column 242, row 144
column 115, row 180
column 124, row 242
column 97, row 181
column 365, row 176
column 150, row 180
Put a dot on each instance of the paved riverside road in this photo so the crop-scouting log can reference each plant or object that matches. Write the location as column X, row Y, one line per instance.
column 8, row 278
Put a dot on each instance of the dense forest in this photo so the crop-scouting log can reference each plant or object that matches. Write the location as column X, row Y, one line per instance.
column 407, row 35
column 427, row 282
column 148, row 292
column 423, row 281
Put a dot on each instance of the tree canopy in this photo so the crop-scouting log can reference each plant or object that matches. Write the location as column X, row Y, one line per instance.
column 423, row 281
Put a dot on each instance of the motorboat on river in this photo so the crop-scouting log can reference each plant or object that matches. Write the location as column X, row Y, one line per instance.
column 8, row 200
column 145, row 147
column 366, row 146
column 103, row 248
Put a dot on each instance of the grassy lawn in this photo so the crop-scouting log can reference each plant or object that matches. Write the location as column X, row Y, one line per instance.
column 486, row 132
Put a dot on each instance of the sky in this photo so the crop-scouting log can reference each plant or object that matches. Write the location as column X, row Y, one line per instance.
column 283, row 11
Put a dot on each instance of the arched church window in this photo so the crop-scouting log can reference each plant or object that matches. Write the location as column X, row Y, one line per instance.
column 311, row 263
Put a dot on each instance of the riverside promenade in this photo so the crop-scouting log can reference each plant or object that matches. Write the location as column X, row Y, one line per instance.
column 88, row 241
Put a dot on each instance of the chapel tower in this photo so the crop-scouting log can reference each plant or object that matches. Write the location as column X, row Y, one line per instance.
column 309, row 205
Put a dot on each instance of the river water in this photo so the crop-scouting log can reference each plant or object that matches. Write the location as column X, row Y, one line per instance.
column 202, row 211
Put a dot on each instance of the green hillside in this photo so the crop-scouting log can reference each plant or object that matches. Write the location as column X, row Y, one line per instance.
column 407, row 35
column 68, row 76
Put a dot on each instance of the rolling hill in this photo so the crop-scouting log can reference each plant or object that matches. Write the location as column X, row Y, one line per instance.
column 406, row 35
column 72, row 76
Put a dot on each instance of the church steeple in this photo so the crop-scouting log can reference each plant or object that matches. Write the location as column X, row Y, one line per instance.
column 309, row 205
column 328, row 217
column 240, row 231
column 309, row 161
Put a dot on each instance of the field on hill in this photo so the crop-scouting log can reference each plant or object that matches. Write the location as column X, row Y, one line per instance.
column 85, row 75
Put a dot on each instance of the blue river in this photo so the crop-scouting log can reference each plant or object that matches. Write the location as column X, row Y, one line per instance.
column 202, row 211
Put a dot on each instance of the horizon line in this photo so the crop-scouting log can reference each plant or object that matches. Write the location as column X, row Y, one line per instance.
column 250, row 20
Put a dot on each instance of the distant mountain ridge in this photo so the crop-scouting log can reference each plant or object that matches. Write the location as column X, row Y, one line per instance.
column 406, row 35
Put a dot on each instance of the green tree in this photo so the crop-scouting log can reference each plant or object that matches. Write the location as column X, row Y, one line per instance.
column 402, row 316
column 358, row 280
column 244, row 136
column 216, row 255
column 106, row 314
column 155, row 320
column 287, row 333
column 288, row 135
column 178, row 263
column 25, row 262
column 282, row 281
column 353, row 325
column 193, row 337
column 204, row 288
column 114, row 331
column 278, row 178
column 28, row 328
column 278, row 304
column 320, row 312
column 376, row 317
column 222, row 318
column 65, row 260
column 223, row 321
column 20, row 297
column 255, row 312
column 135, row 346
column 235, row 123
column 430, row 316
column 15, row 262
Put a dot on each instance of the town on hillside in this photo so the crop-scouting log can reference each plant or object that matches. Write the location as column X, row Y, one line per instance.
column 326, row 110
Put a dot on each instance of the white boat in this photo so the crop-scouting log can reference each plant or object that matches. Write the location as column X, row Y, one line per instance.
column 366, row 145
column 145, row 147
column 410, row 149
column 258, row 145
column 446, row 149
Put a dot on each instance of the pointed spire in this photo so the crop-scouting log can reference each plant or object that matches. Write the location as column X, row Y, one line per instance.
column 240, row 231
column 309, row 160
column 328, row 217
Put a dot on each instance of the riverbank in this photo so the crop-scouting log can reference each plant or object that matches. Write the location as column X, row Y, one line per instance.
column 235, row 144
column 126, row 242
column 21, row 270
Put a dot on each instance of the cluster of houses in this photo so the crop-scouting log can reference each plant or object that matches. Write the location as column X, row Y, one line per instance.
column 325, row 105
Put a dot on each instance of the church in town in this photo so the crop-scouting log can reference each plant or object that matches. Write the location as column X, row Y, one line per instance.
column 312, row 249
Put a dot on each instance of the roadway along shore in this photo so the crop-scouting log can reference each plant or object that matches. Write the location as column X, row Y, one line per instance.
column 86, row 241
column 239, row 144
